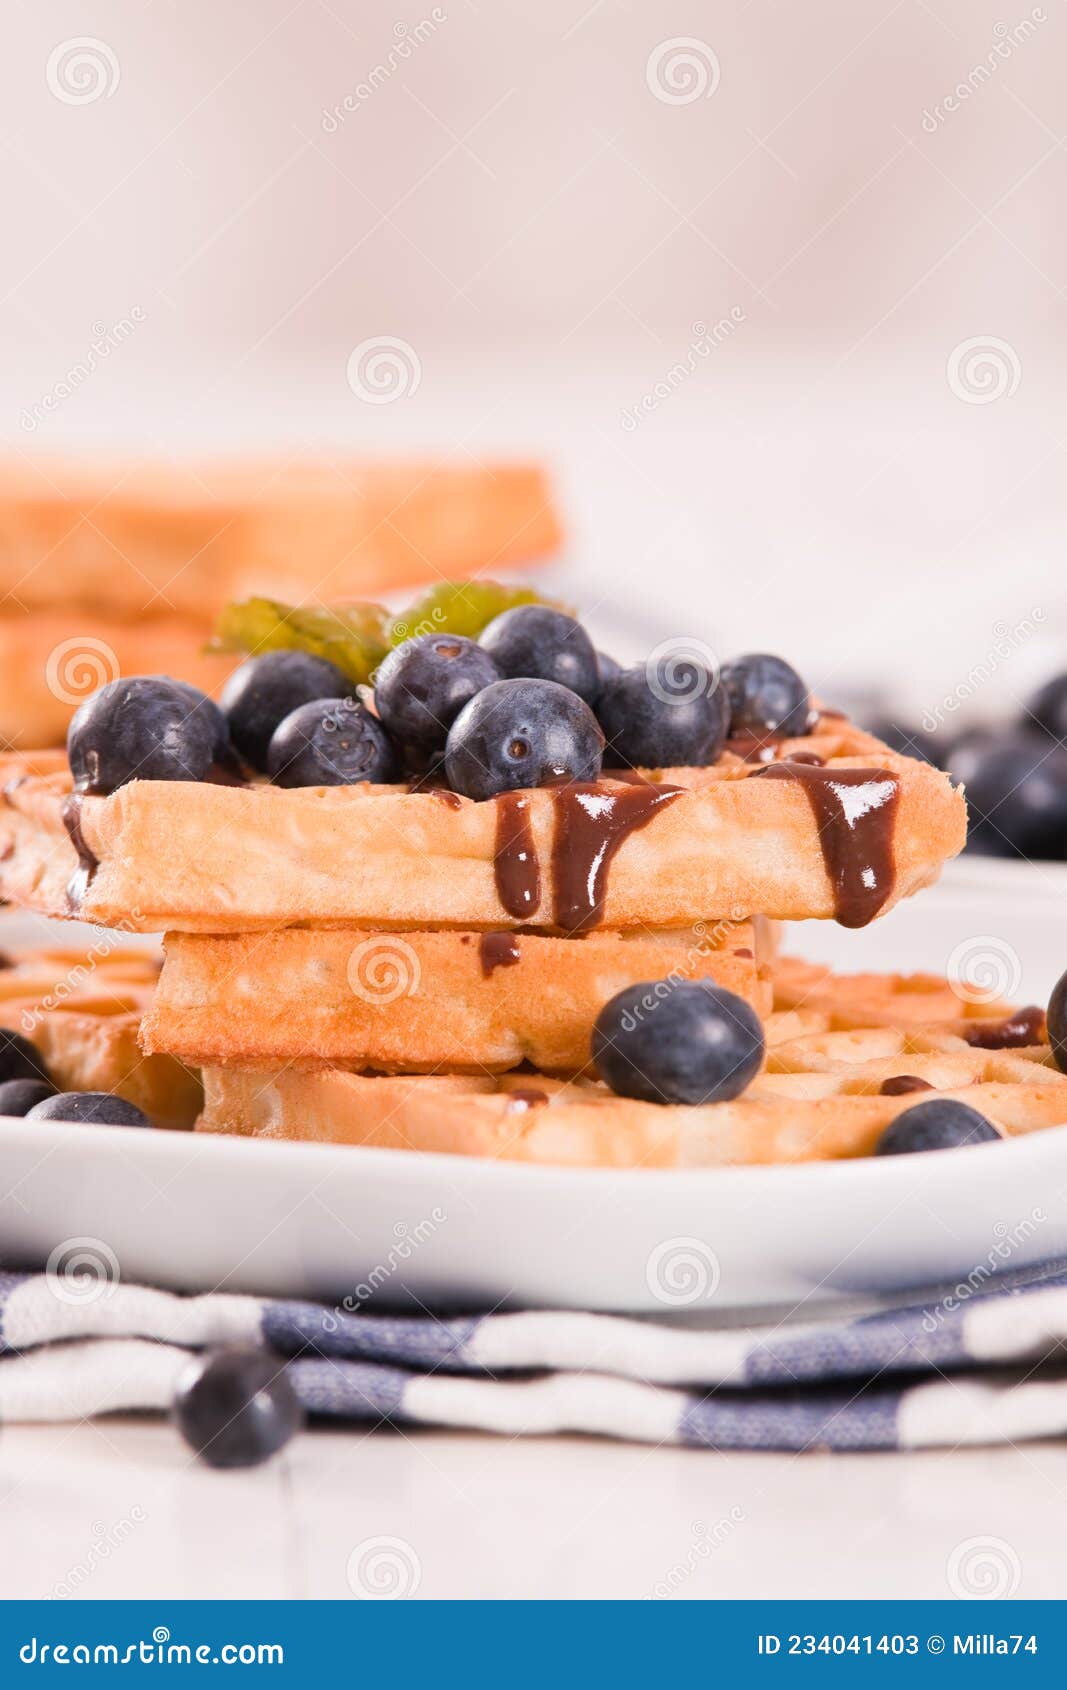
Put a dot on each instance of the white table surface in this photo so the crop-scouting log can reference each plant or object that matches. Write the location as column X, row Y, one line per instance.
column 563, row 1517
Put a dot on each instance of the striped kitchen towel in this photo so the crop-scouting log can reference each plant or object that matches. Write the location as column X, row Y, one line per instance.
column 979, row 1364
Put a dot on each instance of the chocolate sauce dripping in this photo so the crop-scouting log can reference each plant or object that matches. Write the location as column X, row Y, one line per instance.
column 88, row 862
column 855, row 814
column 497, row 950
column 898, row 1084
column 515, row 865
column 592, row 822
column 1024, row 1027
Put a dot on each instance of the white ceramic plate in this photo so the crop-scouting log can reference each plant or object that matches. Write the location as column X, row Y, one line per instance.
column 387, row 1228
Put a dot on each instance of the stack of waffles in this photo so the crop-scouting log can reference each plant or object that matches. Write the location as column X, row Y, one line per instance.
column 119, row 568
column 413, row 969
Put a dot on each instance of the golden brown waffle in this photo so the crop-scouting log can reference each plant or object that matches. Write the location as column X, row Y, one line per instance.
column 731, row 841
column 82, row 1010
column 132, row 539
column 819, row 1097
column 51, row 660
column 416, row 1002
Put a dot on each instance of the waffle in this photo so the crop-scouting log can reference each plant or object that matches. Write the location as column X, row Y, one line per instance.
column 82, row 1010
column 50, row 661
column 130, row 539
column 417, row 1001
column 739, row 839
column 819, row 1097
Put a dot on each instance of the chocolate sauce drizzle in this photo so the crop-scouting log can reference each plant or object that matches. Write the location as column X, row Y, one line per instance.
column 899, row 1084
column 1025, row 1027
column 88, row 862
column 855, row 813
column 592, row 822
column 497, row 950
column 526, row 1097
column 515, row 865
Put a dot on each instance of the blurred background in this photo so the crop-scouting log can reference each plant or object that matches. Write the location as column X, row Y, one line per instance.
column 776, row 293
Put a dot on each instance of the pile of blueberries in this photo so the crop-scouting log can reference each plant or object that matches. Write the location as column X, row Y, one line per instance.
column 529, row 703
column 1015, row 775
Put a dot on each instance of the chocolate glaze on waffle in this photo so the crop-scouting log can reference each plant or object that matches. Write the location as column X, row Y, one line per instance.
column 497, row 950
column 591, row 823
column 856, row 837
column 1025, row 1027
column 515, row 865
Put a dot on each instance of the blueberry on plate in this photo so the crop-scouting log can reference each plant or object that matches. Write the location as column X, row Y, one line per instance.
column 537, row 643
column 330, row 742
column 766, row 696
column 1016, row 791
column 687, row 1041
column 663, row 715
column 266, row 689
column 422, row 686
column 17, row 1097
column 1056, row 1022
column 236, row 1407
column 522, row 733
column 1047, row 709
column 93, row 1108
column 940, row 1124
column 141, row 728
column 19, row 1059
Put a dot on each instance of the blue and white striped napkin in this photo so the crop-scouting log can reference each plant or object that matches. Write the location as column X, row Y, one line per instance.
column 974, row 1366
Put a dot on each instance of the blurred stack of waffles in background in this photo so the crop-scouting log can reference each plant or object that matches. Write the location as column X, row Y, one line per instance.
column 112, row 568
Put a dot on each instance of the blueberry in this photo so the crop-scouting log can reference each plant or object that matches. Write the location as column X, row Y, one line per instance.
column 17, row 1097
column 141, row 728
column 522, row 733
column 19, row 1059
column 940, row 1124
column 423, row 685
column 667, row 1041
column 1056, row 1021
column 1047, row 709
column 1016, row 791
column 263, row 691
column 330, row 742
column 237, row 1407
column 607, row 668
column 220, row 728
column 537, row 643
column 766, row 696
column 909, row 741
column 94, row 1108
column 663, row 716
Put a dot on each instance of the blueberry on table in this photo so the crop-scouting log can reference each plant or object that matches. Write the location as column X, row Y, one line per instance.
column 19, row 1059
column 766, row 696
column 666, row 1041
column 1016, row 790
column 266, row 689
column 522, row 733
column 1056, row 1022
column 941, row 1124
column 422, row 686
column 91, row 1108
column 537, row 643
column 146, row 727
column 330, row 742
column 237, row 1407
column 17, row 1097
column 663, row 716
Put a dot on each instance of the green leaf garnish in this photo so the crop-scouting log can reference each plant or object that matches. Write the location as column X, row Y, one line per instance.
column 460, row 607
column 353, row 635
